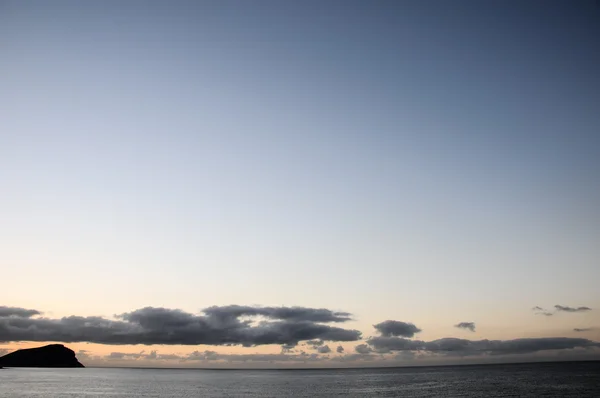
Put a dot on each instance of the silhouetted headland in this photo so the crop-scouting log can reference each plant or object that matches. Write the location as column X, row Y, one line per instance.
column 50, row 356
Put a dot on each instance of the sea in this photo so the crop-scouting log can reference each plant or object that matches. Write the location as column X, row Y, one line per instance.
column 560, row 379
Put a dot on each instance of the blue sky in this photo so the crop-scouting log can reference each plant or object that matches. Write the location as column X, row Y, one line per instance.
column 431, row 162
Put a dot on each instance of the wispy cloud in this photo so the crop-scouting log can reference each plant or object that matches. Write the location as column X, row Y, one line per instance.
column 542, row 311
column 363, row 349
column 571, row 309
column 255, row 326
column 463, row 347
column 559, row 308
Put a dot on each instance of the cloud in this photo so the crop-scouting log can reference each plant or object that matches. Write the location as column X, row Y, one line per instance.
column 352, row 358
column 132, row 356
column 571, row 309
column 385, row 344
column 542, row 311
column 396, row 328
column 85, row 355
column 216, row 326
column 214, row 356
column 319, row 346
column 463, row 347
column 559, row 308
column 297, row 314
column 169, row 357
column 255, row 326
column 466, row 325
column 363, row 349
column 582, row 329
column 18, row 312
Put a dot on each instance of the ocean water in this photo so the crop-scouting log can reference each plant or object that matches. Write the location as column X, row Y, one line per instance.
column 574, row 379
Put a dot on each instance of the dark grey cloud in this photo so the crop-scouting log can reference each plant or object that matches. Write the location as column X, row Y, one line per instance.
column 559, row 308
column 465, row 347
column 217, row 326
column 297, row 314
column 339, row 349
column 582, row 329
column 385, row 344
column 19, row 312
column 571, row 309
column 319, row 346
column 363, row 349
column 396, row 328
column 466, row 325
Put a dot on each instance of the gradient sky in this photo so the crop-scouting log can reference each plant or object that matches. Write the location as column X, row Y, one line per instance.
column 426, row 161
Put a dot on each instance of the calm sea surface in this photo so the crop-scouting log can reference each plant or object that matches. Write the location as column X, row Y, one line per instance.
column 577, row 379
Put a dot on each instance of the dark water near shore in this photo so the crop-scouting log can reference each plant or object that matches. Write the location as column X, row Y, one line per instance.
column 569, row 379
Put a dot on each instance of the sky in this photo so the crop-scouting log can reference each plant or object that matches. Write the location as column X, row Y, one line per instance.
column 241, row 184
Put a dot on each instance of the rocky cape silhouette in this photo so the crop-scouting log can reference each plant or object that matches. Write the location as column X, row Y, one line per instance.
column 50, row 356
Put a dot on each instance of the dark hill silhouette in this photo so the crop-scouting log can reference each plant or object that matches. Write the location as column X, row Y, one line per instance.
column 50, row 356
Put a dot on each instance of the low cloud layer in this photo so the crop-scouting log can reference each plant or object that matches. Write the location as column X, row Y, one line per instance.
column 207, row 357
column 228, row 325
column 463, row 347
column 363, row 349
column 466, row 325
column 204, row 356
column 249, row 326
column 396, row 329
column 388, row 342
